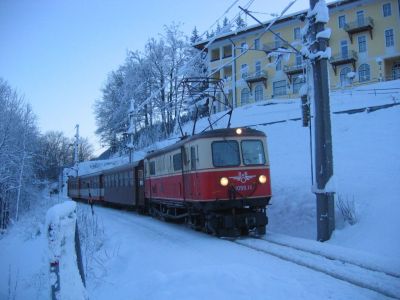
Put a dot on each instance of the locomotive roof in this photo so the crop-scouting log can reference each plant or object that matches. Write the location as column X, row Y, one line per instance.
column 225, row 132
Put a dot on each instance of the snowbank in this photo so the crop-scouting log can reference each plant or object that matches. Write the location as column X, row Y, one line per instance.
column 60, row 223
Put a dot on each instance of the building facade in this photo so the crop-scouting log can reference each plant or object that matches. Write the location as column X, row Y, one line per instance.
column 365, row 44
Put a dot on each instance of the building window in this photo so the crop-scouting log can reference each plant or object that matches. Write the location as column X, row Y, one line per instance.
column 362, row 43
column 296, row 33
column 363, row 73
column 360, row 18
column 258, row 93
column 257, row 44
column 344, row 49
column 244, row 96
column 299, row 59
column 387, row 10
column 396, row 71
column 342, row 21
column 243, row 71
column 278, row 41
column 389, row 38
column 344, row 79
column 278, row 64
column 298, row 82
column 279, row 87
column 258, row 68
column 243, row 47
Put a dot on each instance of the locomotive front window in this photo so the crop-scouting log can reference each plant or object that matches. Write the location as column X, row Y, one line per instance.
column 253, row 152
column 225, row 153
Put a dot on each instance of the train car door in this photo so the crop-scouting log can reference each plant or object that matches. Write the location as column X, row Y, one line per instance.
column 101, row 187
column 139, row 183
column 189, row 172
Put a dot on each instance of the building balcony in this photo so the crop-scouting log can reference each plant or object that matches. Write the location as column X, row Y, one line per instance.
column 363, row 24
column 260, row 76
column 292, row 70
column 270, row 47
column 343, row 58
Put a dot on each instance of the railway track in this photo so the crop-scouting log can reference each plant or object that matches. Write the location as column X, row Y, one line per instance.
column 382, row 282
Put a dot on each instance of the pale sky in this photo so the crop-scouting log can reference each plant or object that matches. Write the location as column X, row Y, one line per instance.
column 58, row 53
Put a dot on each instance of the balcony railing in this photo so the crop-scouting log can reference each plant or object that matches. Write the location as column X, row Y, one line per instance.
column 294, row 69
column 362, row 24
column 269, row 47
column 256, row 77
column 343, row 58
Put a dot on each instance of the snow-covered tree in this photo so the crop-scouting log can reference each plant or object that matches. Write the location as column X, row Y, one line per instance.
column 18, row 142
column 240, row 23
column 194, row 38
column 145, row 89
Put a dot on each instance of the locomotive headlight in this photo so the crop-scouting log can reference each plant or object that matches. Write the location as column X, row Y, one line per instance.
column 262, row 179
column 239, row 131
column 224, row 181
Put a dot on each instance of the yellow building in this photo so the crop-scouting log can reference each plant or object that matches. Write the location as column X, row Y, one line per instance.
column 365, row 40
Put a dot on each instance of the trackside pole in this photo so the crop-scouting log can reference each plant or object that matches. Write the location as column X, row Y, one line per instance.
column 322, row 135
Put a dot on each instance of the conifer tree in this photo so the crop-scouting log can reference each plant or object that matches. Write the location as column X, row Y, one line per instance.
column 240, row 23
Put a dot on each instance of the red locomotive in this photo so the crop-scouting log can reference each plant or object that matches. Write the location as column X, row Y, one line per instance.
column 216, row 181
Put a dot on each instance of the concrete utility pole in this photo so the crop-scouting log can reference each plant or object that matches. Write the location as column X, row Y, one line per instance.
column 322, row 135
column 76, row 149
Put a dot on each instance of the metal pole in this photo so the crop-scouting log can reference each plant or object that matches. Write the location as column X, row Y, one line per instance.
column 76, row 149
column 322, row 136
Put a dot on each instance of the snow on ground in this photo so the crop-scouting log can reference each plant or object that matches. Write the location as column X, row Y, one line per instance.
column 60, row 226
column 24, row 260
column 157, row 260
column 136, row 257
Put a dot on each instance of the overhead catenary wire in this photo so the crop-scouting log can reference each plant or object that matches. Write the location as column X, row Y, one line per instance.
column 183, row 70
column 154, row 94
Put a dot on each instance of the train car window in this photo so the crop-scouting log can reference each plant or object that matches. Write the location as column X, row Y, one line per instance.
column 225, row 153
column 152, row 168
column 253, row 152
column 177, row 161
column 193, row 158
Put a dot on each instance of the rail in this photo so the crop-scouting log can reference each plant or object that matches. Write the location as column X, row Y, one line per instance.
column 373, row 279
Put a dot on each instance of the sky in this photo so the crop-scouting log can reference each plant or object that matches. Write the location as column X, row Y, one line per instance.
column 58, row 53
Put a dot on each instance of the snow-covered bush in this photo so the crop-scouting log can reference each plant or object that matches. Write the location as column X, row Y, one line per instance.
column 348, row 209
column 91, row 233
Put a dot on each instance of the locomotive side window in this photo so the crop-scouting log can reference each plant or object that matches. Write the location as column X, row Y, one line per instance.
column 225, row 153
column 177, row 161
column 193, row 158
column 253, row 152
column 152, row 168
